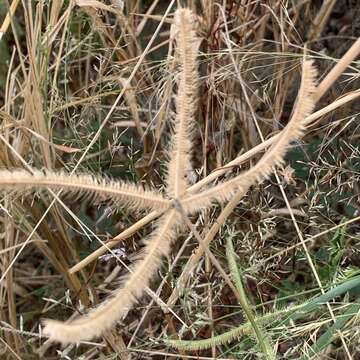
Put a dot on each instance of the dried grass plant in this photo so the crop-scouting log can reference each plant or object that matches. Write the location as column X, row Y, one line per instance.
column 159, row 242
column 170, row 210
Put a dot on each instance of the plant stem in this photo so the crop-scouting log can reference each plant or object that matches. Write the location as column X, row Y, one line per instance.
column 262, row 338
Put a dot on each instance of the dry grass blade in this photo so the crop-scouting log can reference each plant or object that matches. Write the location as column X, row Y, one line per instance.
column 9, row 15
column 338, row 69
column 131, row 100
column 95, row 4
column 197, row 255
column 321, row 19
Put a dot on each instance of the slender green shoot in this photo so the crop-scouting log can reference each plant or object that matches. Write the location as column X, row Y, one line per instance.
column 262, row 338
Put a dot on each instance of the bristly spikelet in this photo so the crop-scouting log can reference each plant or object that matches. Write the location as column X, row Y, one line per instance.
column 274, row 156
column 105, row 316
column 222, row 339
column 120, row 193
column 180, row 151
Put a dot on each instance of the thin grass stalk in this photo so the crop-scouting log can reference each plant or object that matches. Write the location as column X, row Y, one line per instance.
column 263, row 339
column 338, row 69
column 292, row 314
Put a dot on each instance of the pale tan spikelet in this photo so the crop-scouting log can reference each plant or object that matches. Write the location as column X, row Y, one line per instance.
column 120, row 193
column 274, row 156
column 105, row 316
column 180, row 152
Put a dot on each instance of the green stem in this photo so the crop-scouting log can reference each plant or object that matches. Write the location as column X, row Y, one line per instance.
column 262, row 338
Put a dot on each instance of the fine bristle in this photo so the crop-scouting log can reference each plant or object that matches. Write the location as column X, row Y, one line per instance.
column 120, row 193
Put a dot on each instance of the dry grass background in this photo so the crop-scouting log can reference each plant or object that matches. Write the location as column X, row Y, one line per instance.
column 88, row 86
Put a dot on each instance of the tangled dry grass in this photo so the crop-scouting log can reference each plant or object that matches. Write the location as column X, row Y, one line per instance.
column 104, row 100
